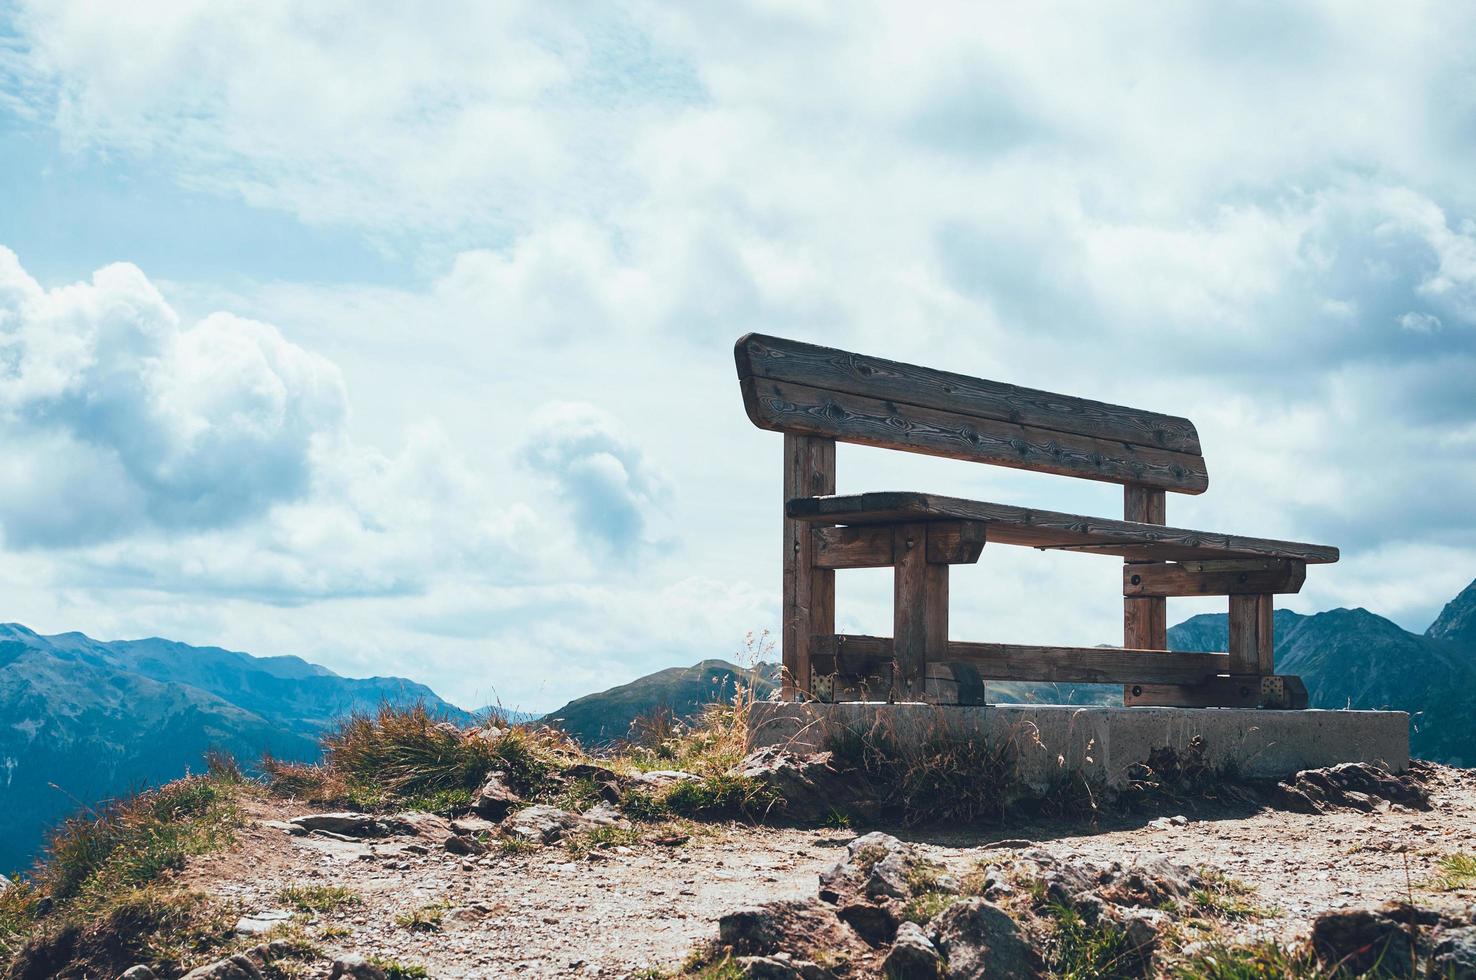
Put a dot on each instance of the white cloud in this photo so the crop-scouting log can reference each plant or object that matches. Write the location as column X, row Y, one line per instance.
column 1261, row 219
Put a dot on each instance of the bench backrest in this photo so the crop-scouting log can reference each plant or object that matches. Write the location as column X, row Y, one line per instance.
column 805, row 389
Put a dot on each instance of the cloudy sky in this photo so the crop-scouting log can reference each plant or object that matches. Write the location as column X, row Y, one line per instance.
column 403, row 342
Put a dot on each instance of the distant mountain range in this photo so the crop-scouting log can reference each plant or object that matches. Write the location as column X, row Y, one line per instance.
column 82, row 720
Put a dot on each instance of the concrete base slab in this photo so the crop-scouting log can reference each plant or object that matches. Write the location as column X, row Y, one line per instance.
column 1101, row 743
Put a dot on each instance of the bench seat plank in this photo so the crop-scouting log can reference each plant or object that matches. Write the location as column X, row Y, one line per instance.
column 1049, row 529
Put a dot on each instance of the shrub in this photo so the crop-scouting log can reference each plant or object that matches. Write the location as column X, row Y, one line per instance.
column 427, row 918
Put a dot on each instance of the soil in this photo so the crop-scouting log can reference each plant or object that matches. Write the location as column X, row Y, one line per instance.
column 544, row 914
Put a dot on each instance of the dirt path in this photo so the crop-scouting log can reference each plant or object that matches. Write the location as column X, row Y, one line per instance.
column 543, row 914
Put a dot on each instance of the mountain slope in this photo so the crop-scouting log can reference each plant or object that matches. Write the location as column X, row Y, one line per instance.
column 85, row 720
column 1352, row 658
column 1457, row 621
column 605, row 716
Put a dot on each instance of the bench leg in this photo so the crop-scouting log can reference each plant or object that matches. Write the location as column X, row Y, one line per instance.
column 809, row 592
column 919, row 610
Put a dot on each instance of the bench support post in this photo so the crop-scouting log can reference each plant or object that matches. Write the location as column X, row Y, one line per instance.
column 919, row 610
column 809, row 592
column 1252, row 636
column 1144, row 620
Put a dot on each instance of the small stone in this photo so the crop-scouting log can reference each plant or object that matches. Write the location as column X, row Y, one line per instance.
column 463, row 845
column 662, row 778
column 139, row 972
column 347, row 823
column 495, row 799
column 876, row 924
column 913, row 956
column 259, row 922
column 354, row 967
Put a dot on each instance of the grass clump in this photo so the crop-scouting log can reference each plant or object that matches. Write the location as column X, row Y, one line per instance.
column 99, row 854
column 581, row 844
column 395, row 970
column 946, row 777
column 1083, row 951
column 1259, row 961
column 427, row 918
column 924, row 908
column 1225, row 897
column 318, row 898
column 1457, row 871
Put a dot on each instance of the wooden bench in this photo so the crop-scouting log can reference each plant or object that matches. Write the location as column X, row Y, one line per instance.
column 817, row 396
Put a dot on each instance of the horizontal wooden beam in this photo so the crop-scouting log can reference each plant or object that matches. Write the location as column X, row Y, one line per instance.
column 1285, row 691
column 1012, row 662
column 871, row 545
column 1232, row 577
column 762, row 356
column 805, row 410
column 853, row 547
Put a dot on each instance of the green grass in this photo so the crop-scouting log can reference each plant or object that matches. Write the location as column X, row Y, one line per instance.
column 1260, row 961
column 427, row 918
column 1089, row 952
column 923, row 908
column 581, row 844
column 1457, row 871
column 516, row 844
column 99, row 854
column 395, row 970
column 1227, row 898
column 318, row 898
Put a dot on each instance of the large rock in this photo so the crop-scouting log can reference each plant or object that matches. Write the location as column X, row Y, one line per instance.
column 1455, row 953
column 978, row 939
column 778, row 968
column 238, row 967
column 355, row 967
column 495, row 799
column 1357, row 939
column 547, row 824
column 1349, row 786
column 876, row 866
column 347, row 823
column 913, row 956
column 811, row 787
column 792, row 927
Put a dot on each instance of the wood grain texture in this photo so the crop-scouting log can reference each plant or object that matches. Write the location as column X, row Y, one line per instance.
column 910, row 607
column 955, row 542
column 853, row 547
column 1254, row 577
column 760, row 356
column 1050, row 529
column 1252, row 635
column 1285, row 692
column 1017, row 662
column 809, row 591
column 1144, row 620
column 789, row 407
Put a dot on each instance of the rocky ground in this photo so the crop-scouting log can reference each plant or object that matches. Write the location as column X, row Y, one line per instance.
column 588, row 897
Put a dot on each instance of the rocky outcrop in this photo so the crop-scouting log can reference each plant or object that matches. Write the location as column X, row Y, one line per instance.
column 979, row 939
column 1350, row 786
column 811, row 788
column 1396, row 935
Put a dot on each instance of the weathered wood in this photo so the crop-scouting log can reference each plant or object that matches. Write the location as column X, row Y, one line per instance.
column 912, row 609
column 796, row 408
column 870, row 545
column 809, row 591
column 1283, row 691
column 1016, row 662
column 865, row 678
column 955, row 542
column 1252, row 635
column 1144, row 620
column 1240, row 577
column 1050, row 529
column 853, row 547
column 955, row 683
column 760, row 356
